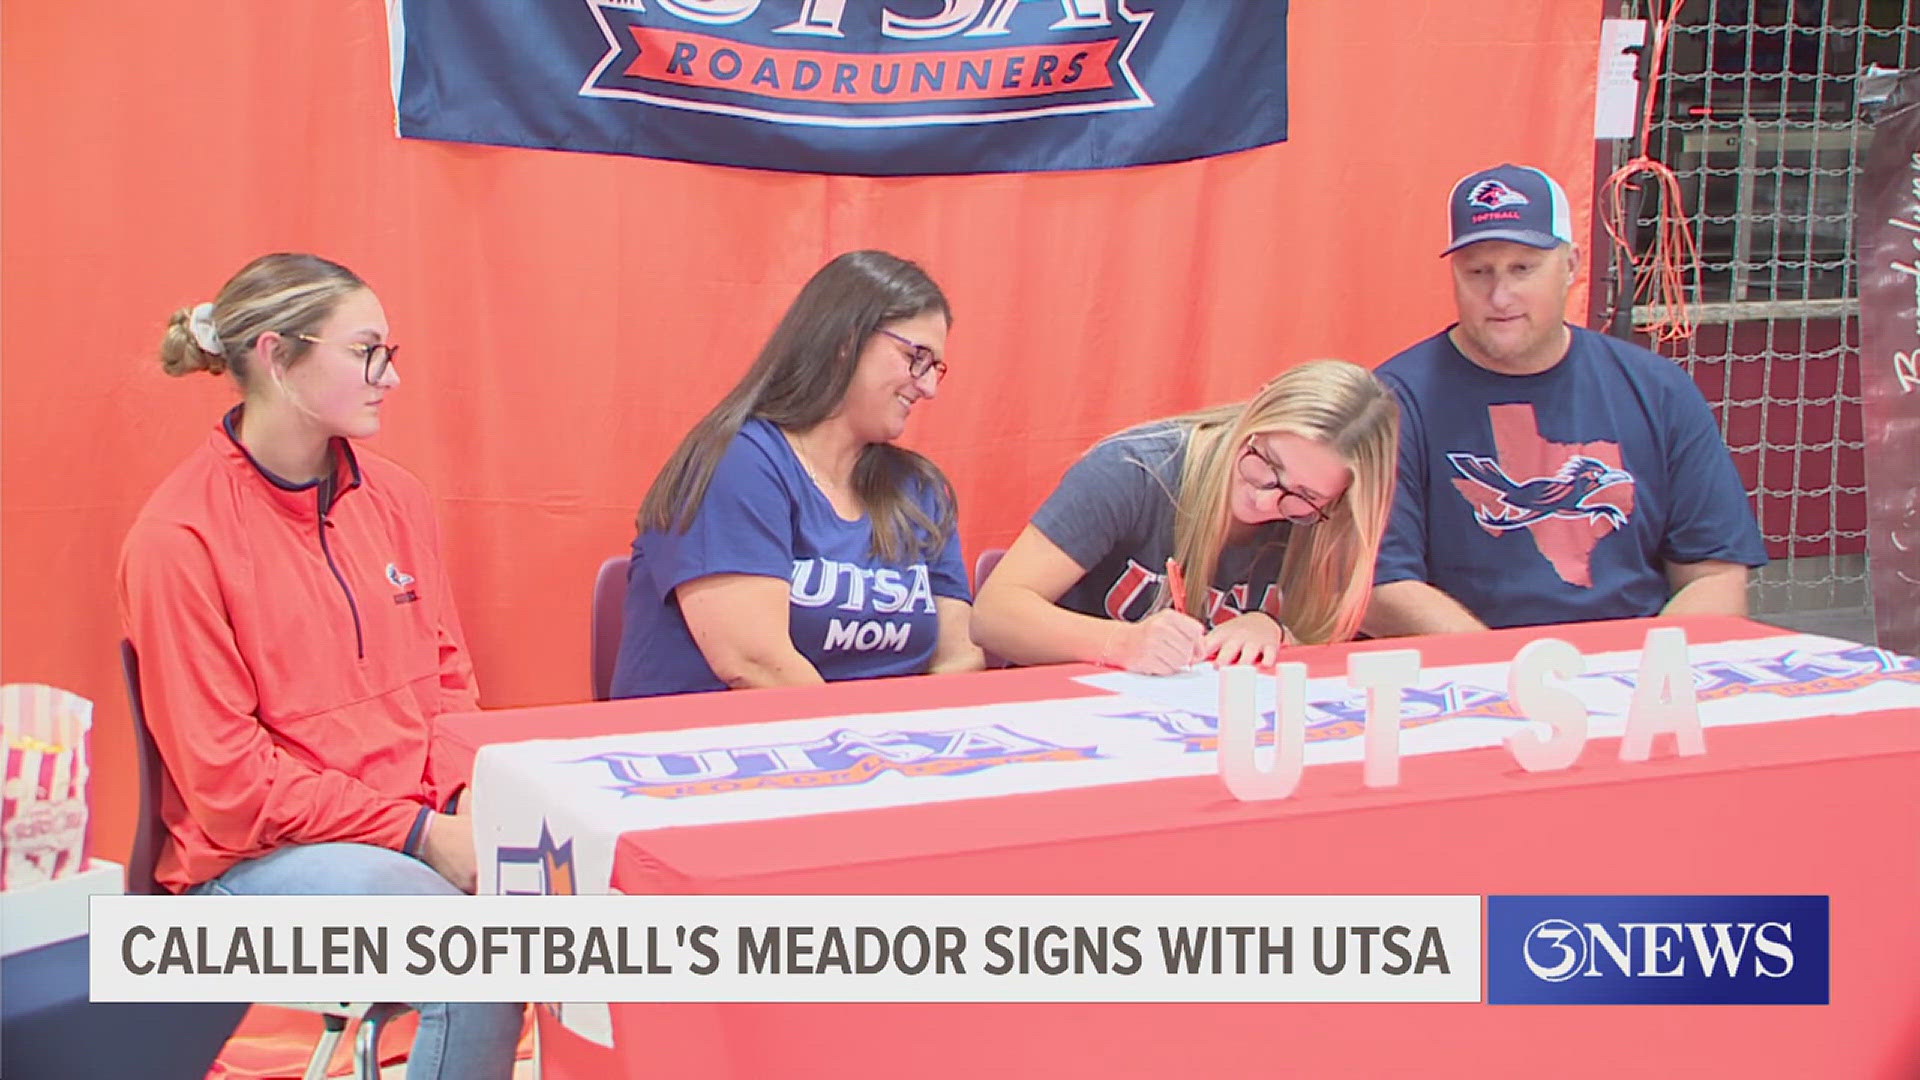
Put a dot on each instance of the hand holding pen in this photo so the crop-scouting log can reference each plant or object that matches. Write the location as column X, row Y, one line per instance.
column 1252, row 638
column 1164, row 642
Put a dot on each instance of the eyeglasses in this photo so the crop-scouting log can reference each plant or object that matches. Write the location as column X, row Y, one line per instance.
column 921, row 358
column 378, row 357
column 1251, row 473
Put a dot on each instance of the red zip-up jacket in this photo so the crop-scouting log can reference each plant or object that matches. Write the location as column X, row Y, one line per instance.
column 292, row 654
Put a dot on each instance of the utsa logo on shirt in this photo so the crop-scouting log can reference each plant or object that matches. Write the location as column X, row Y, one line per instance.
column 1130, row 597
column 402, row 581
column 1568, row 496
column 1564, row 494
column 863, row 590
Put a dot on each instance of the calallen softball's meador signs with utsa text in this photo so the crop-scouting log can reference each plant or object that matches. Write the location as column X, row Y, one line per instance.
column 871, row 87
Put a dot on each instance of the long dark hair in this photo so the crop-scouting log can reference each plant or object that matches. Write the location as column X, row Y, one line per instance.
column 799, row 379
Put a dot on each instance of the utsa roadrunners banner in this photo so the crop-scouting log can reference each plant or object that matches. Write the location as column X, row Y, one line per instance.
column 869, row 87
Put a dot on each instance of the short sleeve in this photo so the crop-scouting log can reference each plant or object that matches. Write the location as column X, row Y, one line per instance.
column 744, row 525
column 1711, row 519
column 949, row 572
column 1097, row 508
column 1403, row 550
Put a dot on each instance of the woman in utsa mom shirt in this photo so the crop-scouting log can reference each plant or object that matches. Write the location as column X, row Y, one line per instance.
column 787, row 540
column 285, row 595
column 1274, row 508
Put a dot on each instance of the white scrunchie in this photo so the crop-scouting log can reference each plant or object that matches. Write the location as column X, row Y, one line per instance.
column 200, row 325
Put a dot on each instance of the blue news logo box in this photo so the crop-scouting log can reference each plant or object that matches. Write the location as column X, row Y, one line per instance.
column 1657, row 950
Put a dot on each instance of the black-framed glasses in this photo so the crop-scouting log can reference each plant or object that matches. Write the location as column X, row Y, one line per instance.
column 378, row 357
column 1272, row 482
column 920, row 358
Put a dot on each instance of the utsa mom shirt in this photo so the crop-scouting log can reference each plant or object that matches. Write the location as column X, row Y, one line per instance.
column 851, row 615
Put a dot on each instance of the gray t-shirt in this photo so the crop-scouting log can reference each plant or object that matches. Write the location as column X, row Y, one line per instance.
column 1114, row 513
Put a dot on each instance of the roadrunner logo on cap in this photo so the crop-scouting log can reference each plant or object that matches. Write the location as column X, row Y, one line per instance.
column 1492, row 195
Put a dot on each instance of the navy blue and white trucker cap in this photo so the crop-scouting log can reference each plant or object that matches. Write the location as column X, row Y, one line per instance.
column 1509, row 202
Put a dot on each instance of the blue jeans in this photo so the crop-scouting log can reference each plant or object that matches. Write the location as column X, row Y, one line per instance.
column 468, row 1041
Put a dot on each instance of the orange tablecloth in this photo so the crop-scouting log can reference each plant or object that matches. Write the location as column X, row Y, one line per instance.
column 1825, row 805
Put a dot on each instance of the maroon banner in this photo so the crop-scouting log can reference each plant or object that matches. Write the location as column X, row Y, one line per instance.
column 1888, row 240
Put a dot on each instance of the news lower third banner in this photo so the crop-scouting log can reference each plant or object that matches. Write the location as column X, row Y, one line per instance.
column 865, row 87
column 787, row 948
column 1537, row 950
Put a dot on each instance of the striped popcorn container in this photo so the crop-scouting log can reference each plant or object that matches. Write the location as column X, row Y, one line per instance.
column 43, row 818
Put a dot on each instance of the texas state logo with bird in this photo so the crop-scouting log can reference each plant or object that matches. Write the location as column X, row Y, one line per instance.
column 1568, row 496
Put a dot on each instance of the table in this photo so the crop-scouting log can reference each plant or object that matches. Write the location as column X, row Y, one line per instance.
column 48, row 1028
column 1819, row 805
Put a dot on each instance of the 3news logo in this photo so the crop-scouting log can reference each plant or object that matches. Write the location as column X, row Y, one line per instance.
column 1657, row 950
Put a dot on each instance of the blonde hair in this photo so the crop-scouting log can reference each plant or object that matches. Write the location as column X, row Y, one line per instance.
column 285, row 293
column 1327, row 574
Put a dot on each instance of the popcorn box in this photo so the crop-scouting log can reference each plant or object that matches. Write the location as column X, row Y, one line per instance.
column 43, row 799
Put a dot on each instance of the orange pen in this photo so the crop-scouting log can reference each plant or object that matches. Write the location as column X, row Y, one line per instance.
column 1177, row 585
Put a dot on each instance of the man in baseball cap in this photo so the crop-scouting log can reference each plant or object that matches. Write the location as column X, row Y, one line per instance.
column 1548, row 474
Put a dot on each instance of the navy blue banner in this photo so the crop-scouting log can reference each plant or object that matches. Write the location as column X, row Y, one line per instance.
column 1657, row 950
column 867, row 87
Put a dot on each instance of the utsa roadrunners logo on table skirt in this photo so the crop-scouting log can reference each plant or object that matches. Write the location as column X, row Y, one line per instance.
column 1342, row 719
column 1797, row 674
column 842, row 758
column 545, row 869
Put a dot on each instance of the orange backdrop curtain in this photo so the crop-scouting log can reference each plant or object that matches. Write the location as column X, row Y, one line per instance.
column 566, row 316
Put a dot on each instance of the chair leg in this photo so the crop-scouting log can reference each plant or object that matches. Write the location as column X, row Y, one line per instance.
column 535, row 1072
column 336, row 1026
column 366, row 1046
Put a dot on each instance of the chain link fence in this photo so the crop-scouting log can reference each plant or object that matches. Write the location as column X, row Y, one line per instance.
column 1758, row 113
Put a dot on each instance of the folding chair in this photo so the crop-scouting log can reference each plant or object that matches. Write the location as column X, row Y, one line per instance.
column 984, row 565
column 151, row 832
column 605, row 622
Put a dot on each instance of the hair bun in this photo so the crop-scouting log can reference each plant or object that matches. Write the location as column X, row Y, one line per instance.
column 181, row 352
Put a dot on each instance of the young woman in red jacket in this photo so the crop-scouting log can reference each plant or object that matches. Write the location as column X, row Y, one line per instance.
column 285, row 593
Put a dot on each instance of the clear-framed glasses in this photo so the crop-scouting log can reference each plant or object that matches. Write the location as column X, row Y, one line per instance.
column 378, row 358
column 1264, row 474
column 920, row 358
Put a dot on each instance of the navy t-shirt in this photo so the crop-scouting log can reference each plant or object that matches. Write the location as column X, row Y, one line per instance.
column 1558, row 497
column 1113, row 513
column 851, row 615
